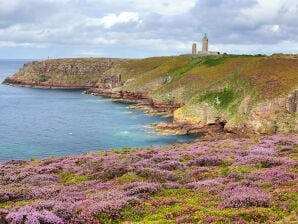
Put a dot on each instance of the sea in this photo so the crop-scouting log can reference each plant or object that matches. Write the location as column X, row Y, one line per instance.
column 38, row 123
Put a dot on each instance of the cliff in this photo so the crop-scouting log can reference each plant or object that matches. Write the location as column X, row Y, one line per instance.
column 240, row 93
column 62, row 73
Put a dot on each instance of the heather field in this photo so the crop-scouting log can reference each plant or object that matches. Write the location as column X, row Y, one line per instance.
column 251, row 180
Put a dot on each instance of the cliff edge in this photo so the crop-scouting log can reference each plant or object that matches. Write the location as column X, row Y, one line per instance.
column 230, row 92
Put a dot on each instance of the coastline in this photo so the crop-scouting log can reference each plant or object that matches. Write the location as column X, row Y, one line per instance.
column 11, row 82
column 202, row 94
column 141, row 102
column 172, row 183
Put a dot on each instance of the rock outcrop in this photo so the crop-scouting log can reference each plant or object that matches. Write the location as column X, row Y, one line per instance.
column 208, row 94
column 62, row 73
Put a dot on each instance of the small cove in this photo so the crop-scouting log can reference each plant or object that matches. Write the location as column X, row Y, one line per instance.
column 36, row 123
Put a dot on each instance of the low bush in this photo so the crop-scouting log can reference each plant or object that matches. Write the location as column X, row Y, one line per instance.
column 243, row 196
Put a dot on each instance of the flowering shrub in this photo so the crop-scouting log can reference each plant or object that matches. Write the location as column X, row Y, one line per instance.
column 206, row 161
column 200, row 170
column 157, row 174
column 48, row 169
column 171, row 165
column 141, row 188
column 6, row 195
column 171, row 185
column 13, row 176
column 30, row 215
column 63, row 209
column 112, row 169
column 263, row 150
column 39, row 179
column 109, row 204
column 244, row 195
column 275, row 176
column 264, row 160
column 131, row 185
column 45, row 192
column 160, row 158
column 111, row 209
column 211, row 184
column 143, row 164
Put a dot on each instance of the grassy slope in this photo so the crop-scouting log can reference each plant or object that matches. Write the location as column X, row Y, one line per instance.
column 230, row 85
column 270, row 76
column 185, row 75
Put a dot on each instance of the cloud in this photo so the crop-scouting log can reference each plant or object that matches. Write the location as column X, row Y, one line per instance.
column 14, row 44
column 113, row 19
column 163, row 7
column 130, row 28
column 8, row 7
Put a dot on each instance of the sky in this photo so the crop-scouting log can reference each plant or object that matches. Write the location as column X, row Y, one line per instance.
column 37, row 29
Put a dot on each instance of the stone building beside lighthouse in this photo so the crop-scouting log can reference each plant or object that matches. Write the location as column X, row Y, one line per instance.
column 205, row 48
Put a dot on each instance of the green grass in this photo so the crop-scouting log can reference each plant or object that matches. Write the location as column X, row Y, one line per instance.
column 69, row 178
column 213, row 61
column 129, row 177
column 232, row 85
column 219, row 99
column 12, row 204
column 179, row 71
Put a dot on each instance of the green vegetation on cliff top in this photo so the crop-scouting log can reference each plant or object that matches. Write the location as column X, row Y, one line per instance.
column 227, row 83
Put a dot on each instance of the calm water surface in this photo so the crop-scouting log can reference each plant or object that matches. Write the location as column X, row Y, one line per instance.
column 41, row 123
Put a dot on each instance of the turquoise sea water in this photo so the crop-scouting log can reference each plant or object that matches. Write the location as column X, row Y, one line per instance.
column 38, row 123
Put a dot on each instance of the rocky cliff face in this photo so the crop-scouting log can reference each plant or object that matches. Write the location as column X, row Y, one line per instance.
column 217, row 93
column 267, row 117
column 62, row 73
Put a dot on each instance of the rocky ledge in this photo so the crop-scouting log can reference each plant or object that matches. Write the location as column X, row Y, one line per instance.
column 143, row 101
column 202, row 94
column 45, row 85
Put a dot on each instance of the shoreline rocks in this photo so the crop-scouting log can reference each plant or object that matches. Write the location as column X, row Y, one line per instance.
column 194, row 103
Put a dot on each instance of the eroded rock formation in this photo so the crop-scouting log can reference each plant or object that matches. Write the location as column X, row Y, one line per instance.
column 62, row 73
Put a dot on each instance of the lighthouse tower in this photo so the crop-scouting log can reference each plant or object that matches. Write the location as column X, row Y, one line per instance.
column 205, row 44
column 205, row 48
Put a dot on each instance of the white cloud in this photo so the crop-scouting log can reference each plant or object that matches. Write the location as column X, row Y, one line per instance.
column 158, row 44
column 142, row 27
column 90, row 53
column 112, row 19
column 268, row 11
column 163, row 7
column 14, row 44
column 281, row 47
column 102, row 40
column 275, row 28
